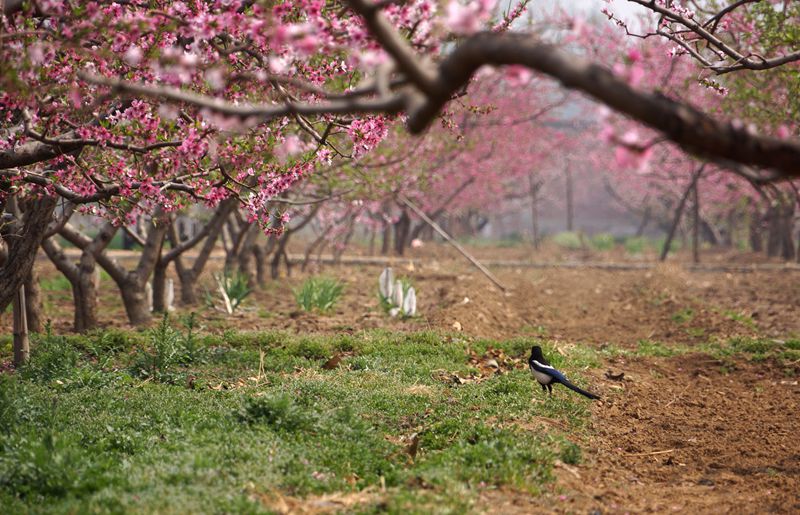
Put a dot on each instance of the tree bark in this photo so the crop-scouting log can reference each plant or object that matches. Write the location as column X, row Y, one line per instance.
column 678, row 213
column 22, row 349
column 385, row 239
column 84, row 281
column 754, row 229
column 415, row 233
column 283, row 240
column 696, row 224
column 188, row 277
column 643, row 224
column 401, row 231
column 160, row 287
column 83, row 277
column 131, row 283
column 570, row 203
column 787, row 229
column 260, row 255
column 774, row 236
column 246, row 258
column 23, row 240
column 533, row 191
column 33, row 303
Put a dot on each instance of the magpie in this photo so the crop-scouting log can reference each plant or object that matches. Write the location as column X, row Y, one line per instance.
column 546, row 375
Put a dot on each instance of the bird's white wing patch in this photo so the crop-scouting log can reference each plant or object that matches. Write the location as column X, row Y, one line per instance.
column 543, row 366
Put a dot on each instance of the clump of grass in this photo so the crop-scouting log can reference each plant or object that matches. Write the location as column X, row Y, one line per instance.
column 52, row 358
column 167, row 348
column 603, row 241
column 51, row 466
column 279, row 412
column 568, row 240
column 743, row 319
column 683, row 316
column 657, row 349
column 232, row 288
column 318, row 294
column 55, row 284
column 635, row 245
column 571, row 453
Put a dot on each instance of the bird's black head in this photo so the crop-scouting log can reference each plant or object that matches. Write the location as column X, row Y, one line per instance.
column 536, row 353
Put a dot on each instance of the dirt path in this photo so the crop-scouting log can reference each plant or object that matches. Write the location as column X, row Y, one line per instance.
column 684, row 436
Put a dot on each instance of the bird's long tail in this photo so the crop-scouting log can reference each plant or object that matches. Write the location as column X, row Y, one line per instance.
column 579, row 390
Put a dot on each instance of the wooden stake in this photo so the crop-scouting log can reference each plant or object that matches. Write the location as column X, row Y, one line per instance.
column 22, row 349
column 452, row 242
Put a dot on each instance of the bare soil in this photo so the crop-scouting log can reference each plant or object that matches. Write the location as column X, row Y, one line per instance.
column 681, row 434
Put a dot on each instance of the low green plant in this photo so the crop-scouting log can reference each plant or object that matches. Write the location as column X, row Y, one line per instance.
column 279, row 412
column 603, row 241
column 675, row 246
column 51, row 465
column 52, row 357
column 683, row 316
column 568, row 239
column 635, row 244
column 741, row 318
column 162, row 354
column 318, row 294
column 166, row 349
column 571, row 453
column 657, row 349
column 232, row 288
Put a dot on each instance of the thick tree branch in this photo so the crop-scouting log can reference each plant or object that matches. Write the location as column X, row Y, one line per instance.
column 691, row 129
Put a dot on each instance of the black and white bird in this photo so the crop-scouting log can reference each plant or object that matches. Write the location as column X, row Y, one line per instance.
column 546, row 375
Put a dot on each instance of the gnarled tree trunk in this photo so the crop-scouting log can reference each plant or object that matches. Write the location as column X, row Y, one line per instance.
column 33, row 303
column 83, row 276
column 131, row 283
column 22, row 240
column 188, row 276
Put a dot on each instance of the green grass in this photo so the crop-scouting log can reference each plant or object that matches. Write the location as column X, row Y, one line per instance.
column 639, row 244
column 743, row 319
column 683, row 316
column 603, row 241
column 57, row 283
column 784, row 352
column 318, row 294
column 568, row 240
column 241, row 416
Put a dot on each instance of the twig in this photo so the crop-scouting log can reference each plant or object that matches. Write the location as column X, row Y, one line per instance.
column 678, row 396
column 650, row 453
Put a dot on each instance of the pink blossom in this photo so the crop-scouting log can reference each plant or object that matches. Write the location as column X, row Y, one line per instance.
column 517, row 75
column 292, row 145
column 468, row 18
column 133, row 55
